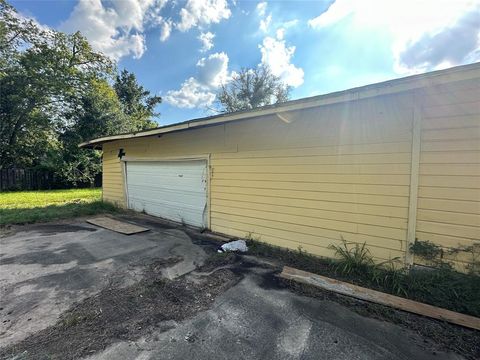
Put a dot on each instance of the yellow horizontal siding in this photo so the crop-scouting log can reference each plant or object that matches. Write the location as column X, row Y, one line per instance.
column 462, row 206
column 450, row 170
column 228, row 206
column 337, row 171
column 458, row 109
column 319, row 178
column 385, row 200
column 449, row 194
column 446, row 157
column 394, row 190
column 253, row 200
column 302, row 152
column 470, row 182
column 451, row 145
column 112, row 178
column 450, row 123
column 319, row 245
column 449, row 217
column 370, row 169
column 395, row 158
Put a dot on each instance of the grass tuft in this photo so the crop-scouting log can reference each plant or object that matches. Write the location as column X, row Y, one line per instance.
column 441, row 287
column 352, row 259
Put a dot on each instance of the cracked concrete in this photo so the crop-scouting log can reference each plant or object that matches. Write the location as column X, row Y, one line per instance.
column 251, row 321
column 44, row 269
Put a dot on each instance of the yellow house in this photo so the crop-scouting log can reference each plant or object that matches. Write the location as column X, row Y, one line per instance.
column 381, row 164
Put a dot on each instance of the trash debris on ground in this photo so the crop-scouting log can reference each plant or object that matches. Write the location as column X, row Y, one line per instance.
column 237, row 245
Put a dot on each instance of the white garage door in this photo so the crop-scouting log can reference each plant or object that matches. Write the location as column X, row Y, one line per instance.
column 175, row 190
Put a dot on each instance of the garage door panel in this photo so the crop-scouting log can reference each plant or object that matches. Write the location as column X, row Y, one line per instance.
column 166, row 184
column 169, row 211
column 172, row 190
column 189, row 200
column 166, row 168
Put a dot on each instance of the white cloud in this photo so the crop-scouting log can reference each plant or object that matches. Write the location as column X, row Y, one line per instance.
column 278, row 56
column 207, row 40
column 191, row 95
column 265, row 23
column 280, row 33
column 262, row 8
column 426, row 34
column 165, row 30
column 290, row 23
column 202, row 12
column 116, row 30
column 213, row 70
column 199, row 91
column 452, row 45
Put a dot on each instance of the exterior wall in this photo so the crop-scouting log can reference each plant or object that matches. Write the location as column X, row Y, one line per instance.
column 312, row 177
column 449, row 183
column 112, row 176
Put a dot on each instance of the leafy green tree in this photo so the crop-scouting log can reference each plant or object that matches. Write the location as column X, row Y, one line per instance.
column 55, row 92
column 97, row 113
column 136, row 101
column 252, row 88
column 41, row 72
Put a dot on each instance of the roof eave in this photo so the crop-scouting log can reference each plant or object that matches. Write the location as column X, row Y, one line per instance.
column 367, row 91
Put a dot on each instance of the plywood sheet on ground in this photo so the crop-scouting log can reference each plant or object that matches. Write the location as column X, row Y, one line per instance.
column 116, row 225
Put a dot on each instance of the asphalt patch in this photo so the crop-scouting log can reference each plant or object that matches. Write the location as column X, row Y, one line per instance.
column 438, row 335
column 49, row 229
column 123, row 314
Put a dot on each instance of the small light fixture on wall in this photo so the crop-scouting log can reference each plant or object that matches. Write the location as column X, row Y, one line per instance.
column 121, row 153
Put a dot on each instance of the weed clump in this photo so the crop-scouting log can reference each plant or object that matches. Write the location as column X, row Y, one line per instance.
column 442, row 287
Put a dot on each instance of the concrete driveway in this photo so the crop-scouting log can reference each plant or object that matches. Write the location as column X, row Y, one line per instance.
column 45, row 269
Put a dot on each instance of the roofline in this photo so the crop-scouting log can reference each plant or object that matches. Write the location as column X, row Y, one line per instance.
column 357, row 93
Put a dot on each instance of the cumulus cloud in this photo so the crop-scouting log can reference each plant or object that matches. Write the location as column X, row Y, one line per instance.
column 262, row 8
column 206, row 40
column 199, row 91
column 266, row 20
column 277, row 55
column 165, row 30
column 453, row 45
column 202, row 12
column 117, row 29
column 426, row 34
column 265, row 23
column 191, row 95
column 280, row 33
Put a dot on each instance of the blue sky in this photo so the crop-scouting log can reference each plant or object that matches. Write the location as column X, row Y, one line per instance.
column 184, row 50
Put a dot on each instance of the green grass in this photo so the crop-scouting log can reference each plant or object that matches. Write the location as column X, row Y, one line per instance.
column 38, row 206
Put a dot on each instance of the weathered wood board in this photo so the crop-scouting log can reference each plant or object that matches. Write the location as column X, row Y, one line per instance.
column 116, row 225
column 380, row 298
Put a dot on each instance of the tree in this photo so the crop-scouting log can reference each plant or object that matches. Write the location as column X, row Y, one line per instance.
column 252, row 88
column 137, row 102
column 56, row 92
column 98, row 112
column 41, row 72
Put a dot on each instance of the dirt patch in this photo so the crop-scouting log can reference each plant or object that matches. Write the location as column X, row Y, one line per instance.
column 438, row 335
column 128, row 313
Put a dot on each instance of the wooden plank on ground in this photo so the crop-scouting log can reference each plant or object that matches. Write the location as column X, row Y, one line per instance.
column 116, row 225
column 380, row 298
